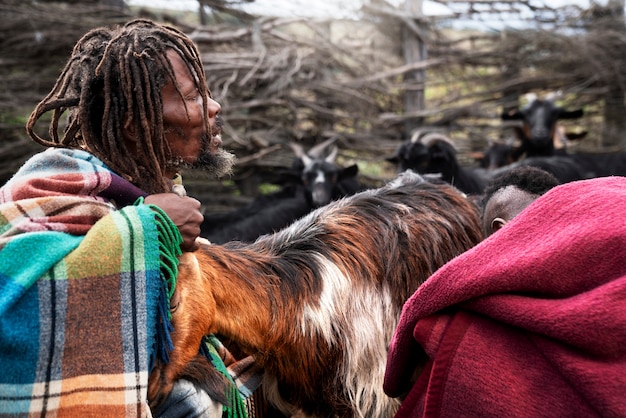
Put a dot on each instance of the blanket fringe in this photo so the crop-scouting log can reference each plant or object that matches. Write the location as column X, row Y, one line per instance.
column 236, row 407
column 169, row 249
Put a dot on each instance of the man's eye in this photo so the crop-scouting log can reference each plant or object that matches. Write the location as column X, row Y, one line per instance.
column 193, row 96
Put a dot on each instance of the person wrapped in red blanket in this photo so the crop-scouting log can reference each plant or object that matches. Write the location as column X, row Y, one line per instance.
column 530, row 322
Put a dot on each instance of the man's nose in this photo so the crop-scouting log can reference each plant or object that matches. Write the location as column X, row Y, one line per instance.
column 213, row 108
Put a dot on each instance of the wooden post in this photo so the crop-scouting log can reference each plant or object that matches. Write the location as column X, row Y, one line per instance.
column 510, row 71
column 614, row 129
column 202, row 13
column 414, row 51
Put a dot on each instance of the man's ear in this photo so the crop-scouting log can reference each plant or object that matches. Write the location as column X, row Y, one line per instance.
column 129, row 134
column 128, row 130
column 497, row 223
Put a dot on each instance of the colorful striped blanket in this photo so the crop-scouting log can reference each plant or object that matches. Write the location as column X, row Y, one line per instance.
column 81, row 286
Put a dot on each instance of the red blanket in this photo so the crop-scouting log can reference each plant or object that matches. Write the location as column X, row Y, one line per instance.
column 531, row 322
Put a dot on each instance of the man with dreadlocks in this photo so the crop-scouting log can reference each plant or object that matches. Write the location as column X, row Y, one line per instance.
column 90, row 229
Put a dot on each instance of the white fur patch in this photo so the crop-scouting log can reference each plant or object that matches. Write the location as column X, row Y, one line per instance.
column 363, row 318
column 320, row 318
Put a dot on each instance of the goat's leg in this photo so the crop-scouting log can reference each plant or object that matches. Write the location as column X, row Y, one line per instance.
column 190, row 319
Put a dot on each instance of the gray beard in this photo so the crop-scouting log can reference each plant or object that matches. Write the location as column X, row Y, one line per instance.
column 217, row 165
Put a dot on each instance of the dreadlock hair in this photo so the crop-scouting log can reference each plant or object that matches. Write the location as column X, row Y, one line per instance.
column 111, row 82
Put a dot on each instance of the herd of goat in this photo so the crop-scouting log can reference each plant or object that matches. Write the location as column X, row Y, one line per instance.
column 315, row 179
column 542, row 144
column 311, row 280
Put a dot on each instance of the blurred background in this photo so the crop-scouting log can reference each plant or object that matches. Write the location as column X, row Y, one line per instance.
column 366, row 73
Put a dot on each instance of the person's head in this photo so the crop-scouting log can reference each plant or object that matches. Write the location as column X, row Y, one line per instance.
column 511, row 192
column 137, row 98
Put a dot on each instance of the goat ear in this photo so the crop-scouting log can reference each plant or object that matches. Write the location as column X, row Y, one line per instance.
column 570, row 114
column 348, row 172
column 477, row 155
column 513, row 114
column 573, row 136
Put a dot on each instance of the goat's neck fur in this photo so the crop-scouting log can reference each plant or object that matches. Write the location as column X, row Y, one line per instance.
column 317, row 303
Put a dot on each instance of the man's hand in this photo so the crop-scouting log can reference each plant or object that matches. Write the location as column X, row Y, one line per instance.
column 184, row 212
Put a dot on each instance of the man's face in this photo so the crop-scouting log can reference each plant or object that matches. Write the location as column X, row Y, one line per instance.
column 183, row 120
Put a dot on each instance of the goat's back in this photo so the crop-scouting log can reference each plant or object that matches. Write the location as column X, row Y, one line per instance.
column 402, row 232
column 345, row 271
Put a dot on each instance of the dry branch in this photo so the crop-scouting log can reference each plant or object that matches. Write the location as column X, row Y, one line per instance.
column 280, row 80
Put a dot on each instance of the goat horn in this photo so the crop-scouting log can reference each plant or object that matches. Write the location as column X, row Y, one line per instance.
column 428, row 139
column 415, row 137
column 530, row 97
column 554, row 95
column 331, row 157
column 318, row 150
column 299, row 151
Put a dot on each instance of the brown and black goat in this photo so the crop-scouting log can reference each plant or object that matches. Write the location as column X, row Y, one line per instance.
column 317, row 302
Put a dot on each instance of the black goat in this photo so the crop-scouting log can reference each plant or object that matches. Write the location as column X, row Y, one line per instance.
column 501, row 154
column 539, row 126
column 312, row 182
column 434, row 153
column 601, row 164
column 497, row 154
column 323, row 180
column 265, row 214
column 581, row 166
column 563, row 167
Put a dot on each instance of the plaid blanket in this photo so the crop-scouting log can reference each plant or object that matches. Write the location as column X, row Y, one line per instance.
column 82, row 289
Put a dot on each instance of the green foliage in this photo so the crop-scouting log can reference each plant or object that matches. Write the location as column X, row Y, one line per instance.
column 267, row 188
column 12, row 119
